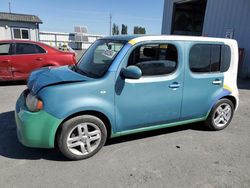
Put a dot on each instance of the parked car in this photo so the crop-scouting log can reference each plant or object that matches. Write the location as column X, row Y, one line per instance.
column 18, row 58
column 129, row 84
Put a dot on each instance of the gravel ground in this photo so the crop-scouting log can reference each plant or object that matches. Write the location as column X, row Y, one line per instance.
column 185, row 156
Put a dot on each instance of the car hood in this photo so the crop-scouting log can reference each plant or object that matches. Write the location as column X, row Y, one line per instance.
column 52, row 76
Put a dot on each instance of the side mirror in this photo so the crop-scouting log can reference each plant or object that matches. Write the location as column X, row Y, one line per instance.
column 132, row 72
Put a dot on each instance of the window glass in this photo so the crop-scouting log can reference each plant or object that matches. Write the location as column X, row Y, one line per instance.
column 17, row 33
column 25, row 48
column 215, row 58
column 25, row 34
column 106, row 52
column 155, row 59
column 98, row 58
column 40, row 50
column 225, row 58
column 20, row 33
column 4, row 49
column 206, row 58
column 199, row 58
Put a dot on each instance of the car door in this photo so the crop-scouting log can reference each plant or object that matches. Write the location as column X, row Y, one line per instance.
column 5, row 61
column 156, row 97
column 27, row 57
column 203, row 79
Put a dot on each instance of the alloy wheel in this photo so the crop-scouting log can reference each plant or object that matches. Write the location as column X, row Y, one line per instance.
column 84, row 138
column 222, row 115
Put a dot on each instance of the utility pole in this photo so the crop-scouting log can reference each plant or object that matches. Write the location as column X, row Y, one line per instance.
column 9, row 7
column 110, row 24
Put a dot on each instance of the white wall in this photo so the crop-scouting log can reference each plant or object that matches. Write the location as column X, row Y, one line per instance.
column 5, row 30
column 57, row 38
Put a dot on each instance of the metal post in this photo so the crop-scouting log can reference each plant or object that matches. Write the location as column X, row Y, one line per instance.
column 9, row 7
column 110, row 24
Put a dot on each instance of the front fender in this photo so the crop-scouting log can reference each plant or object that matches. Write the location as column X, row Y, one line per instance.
column 87, row 104
column 61, row 101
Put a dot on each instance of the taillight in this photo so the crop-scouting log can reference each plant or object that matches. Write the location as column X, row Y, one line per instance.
column 74, row 58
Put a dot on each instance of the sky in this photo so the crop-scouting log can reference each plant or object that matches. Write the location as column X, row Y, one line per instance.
column 63, row 15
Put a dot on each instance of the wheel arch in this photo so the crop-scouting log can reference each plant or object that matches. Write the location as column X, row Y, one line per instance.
column 229, row 97
column 51, row 63
column 48, row 65
column 232, row 99
column 98, row 114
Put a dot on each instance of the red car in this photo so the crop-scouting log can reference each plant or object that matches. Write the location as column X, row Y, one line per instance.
column 18, row 58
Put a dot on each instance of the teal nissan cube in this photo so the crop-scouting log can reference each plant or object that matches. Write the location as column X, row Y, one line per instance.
column 129, row 84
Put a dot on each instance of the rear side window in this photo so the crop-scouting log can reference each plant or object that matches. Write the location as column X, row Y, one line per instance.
column 206, row 58
column 4, row 48
column 155, row 59
column 225, row 58
column 40, row 50
column 26, row 48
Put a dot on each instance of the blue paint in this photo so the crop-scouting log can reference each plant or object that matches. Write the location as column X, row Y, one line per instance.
column 130, row 104
column 199, row 91
column 119, row 57
column 222, row 94
column 52, row 75
column 145, row 104
column 64, row 100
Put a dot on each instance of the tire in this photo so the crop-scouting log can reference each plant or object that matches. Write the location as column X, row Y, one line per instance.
column 221, row 115
column 93, row 135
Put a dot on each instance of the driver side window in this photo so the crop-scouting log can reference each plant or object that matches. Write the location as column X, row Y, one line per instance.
column 154, row 59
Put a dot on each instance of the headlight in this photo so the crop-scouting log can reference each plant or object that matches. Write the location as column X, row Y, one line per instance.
column 33, row 103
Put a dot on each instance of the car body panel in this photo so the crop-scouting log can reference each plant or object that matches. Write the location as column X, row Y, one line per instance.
column 51, row 76
column 140, row 102
column 195, row 85
column 21, row 65
column 84, row 97
column 65, row 93
column 35, row 129
column 5, row 67
column 156, row 127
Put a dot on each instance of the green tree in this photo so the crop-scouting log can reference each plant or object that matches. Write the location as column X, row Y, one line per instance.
column 115, row 29
column 124, row 30
column 139, row 30
column 135, row 30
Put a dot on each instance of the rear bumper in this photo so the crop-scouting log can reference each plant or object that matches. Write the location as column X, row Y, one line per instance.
column 35, row 129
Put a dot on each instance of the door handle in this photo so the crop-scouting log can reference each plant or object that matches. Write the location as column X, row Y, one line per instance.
column 174, row 85
column 39, row 59
column 217, row 82
column 6, row 61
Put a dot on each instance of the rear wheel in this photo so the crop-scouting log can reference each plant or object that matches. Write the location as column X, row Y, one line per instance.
column 82, row 137
column 220, row 115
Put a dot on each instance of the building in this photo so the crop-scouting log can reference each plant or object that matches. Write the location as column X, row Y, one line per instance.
column 19, row 26
column 24, row 26
column 56, row 39
column 73, row 40
column 213, row 18
column 78, row 40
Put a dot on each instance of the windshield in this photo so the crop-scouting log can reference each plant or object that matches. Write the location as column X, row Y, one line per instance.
column 98, row 58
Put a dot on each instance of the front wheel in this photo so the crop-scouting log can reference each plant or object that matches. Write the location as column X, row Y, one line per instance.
column 82, row 137
column 220, row 115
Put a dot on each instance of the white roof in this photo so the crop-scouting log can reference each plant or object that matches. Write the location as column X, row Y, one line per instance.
column 182, row 38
